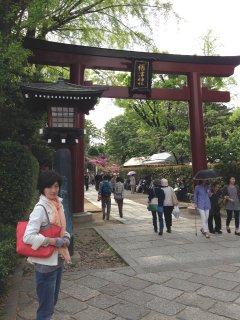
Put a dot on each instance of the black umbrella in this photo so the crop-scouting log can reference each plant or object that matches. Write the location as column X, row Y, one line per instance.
column 207, row 174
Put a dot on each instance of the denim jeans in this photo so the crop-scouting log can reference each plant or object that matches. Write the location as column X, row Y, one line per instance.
column 48, row 286
column 160, row 219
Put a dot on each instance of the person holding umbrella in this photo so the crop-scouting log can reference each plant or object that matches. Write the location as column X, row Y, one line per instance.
column 231, row 196
column 202, row 204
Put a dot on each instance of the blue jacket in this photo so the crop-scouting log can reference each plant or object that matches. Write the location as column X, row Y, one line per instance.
column 201, row 197
column 158, row 193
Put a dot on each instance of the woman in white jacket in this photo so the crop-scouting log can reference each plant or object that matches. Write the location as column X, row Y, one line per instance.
column 48, row 271
column 169, row 202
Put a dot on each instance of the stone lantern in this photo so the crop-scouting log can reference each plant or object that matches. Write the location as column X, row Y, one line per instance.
column 64, row 103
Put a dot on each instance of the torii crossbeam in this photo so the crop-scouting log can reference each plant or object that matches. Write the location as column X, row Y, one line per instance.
column 79, row 58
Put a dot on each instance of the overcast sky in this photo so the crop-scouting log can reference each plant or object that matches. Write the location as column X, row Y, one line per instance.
column 198, row 16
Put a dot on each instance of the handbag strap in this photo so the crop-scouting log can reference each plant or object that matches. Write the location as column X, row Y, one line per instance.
column 154, row 193
column 45, row 210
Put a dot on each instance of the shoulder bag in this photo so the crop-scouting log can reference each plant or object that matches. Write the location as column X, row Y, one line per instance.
column 50, row 231
column 153, row 204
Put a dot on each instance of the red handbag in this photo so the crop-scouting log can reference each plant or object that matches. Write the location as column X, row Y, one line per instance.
column 50, row 231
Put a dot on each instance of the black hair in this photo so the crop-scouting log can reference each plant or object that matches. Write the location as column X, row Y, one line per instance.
column 229, row 178
column 47, row 179
column 119, row 179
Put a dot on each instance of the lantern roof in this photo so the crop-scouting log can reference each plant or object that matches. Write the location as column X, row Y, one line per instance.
column 62, row 87
column 40, row 94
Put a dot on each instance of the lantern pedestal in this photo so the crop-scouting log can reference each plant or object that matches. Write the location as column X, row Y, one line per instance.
column 82, row 217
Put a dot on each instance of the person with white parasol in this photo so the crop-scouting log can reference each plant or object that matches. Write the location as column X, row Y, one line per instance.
column 132, row 182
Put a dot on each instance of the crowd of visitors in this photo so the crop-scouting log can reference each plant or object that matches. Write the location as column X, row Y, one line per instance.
column 208, row 200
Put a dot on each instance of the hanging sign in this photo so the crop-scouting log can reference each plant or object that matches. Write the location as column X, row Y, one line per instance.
column 141, row 77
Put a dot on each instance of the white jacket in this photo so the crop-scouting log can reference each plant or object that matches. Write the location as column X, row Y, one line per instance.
column 37, row 219
column 170, row 197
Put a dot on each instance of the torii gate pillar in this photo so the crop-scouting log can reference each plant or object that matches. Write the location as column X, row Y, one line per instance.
column 197, row 137
column 77, row 151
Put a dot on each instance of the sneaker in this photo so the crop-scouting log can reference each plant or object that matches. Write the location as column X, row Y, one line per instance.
column 237, row 233
column 228, row 230
column 207, row 235
column 219, row 232
column 212, row 231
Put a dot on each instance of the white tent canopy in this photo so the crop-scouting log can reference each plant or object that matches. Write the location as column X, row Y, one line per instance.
column 161, row 158
column 138, row 161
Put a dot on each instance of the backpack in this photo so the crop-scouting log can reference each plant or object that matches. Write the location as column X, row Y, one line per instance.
column 106, row 189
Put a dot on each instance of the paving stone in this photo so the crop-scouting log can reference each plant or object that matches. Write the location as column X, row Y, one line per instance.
column 137, row 284
column 163, row 291
column 80, row 292
column 228, row 276
column 112, row 276
column 182, row 285
column 165, row 306
column 70, row 305
column 218, row 294
column 92, row 313
column 158, row 316
column 128, row 271
column 28, row 312
column 91, row 282
column 113, row 289
column 166, row 250
column 225, row 309
column 226, row 268
column 213, row 282
column 178, row 274
column 59, row 316
column 154, row 277
column 195, row 300
column 135, row 296
column 129, row 311
column 103, row 301
column 197, row 314
column 155, row 261
column 203, row 271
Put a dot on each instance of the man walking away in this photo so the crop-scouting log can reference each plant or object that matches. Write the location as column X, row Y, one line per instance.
column 104, row 193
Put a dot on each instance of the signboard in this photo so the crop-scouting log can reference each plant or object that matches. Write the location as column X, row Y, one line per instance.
column 141, row 77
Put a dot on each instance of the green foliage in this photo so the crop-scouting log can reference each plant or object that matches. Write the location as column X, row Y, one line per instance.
column 18, row 178
column 8, row 256
column 168, row 172
column 126, row 138
column 43, row 153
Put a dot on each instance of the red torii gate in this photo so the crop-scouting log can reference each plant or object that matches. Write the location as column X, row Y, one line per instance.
column 79, row 58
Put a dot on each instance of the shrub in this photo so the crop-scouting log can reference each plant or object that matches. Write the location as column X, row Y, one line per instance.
column 8, row 256
column 169, row 172
column 18, row 178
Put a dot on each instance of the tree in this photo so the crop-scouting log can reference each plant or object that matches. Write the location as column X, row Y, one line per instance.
column 126, row 138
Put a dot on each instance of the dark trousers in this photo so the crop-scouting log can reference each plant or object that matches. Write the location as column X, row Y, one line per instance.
column 214, row 214
column 229, row 217
column 120, row 206
column 106, row 203
column 160, row 219
column 168, row 216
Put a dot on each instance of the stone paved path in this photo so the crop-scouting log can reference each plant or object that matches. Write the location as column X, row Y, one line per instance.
column 174, row 276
